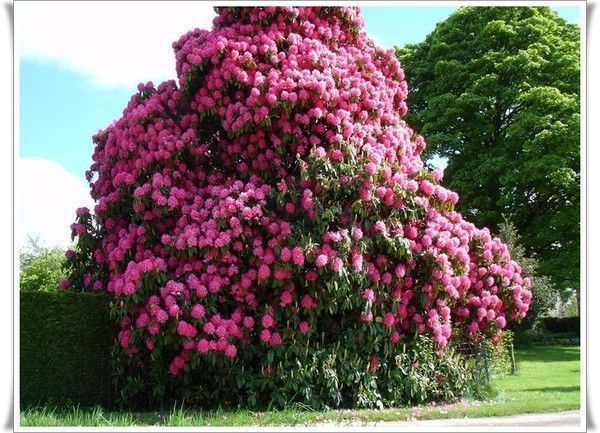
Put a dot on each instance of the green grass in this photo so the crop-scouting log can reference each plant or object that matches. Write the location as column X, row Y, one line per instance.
column 547, row 380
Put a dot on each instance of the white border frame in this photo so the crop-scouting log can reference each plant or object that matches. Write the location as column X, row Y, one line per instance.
column 424, row 4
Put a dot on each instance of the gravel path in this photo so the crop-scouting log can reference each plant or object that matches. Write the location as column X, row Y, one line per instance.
column 557, row 419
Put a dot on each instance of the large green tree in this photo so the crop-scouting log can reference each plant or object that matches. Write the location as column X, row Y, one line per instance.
column 495, row 90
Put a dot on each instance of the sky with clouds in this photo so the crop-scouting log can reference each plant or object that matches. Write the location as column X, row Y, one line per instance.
column 79, row 63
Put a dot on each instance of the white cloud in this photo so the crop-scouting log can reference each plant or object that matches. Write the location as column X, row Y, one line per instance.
column 116, row 43
column 46, row 197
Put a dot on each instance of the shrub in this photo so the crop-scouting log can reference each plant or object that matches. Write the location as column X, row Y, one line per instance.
column 65, row 347
column 542, row 337
column 562, row 324
column 271, row 211
column 326, row 376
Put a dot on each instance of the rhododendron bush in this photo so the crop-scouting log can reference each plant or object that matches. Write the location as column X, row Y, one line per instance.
column 267, row 221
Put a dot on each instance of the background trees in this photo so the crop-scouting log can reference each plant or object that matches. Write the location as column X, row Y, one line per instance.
column 41, row 267
column 545, row 295
column 495, row 90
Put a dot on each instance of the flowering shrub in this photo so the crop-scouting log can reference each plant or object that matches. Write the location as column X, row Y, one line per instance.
column 270, row 210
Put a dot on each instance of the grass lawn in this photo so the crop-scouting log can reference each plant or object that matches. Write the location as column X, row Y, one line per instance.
column 547, row 380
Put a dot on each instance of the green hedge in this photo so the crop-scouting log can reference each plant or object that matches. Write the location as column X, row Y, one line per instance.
column 66, row 341
column 562, row 324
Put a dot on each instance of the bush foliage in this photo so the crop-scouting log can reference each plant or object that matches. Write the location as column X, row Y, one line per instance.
column 267, row 225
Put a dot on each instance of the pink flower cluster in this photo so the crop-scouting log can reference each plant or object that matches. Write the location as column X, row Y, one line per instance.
column 236, row 206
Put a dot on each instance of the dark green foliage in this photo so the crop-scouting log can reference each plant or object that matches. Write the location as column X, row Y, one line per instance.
column 65, row 347
column 562, row 324
column 496, row 91
column 66, row 342
column 543, row 337
column 318, row 377
column 545, row 294
column 41, row 267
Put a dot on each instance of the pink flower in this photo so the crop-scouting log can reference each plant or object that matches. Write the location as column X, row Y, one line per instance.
column 176, row 365
column 231, row 351
column 197, row 311
column 265, row 336
column 298, row 256
column 303, row 327
column 366, row 317
column 142, row 320
column 161, row 315
column 437, row 174
column 174, row 310
column 64, row 284
column 374, row 363
column 248, row 322
column 209, row 328
column 337, row 264
column 285, row 254
column 337, row 155
column 185, row 329
column 267, row 321
column 320, row 152
column 368, row 295
column 321, row 260
column 275, row 339
column 286, row 299
column 379, row 227
column 501, row 321
column 307, row 302
column 124, row 338
column 389, row 320
column 203, row 346
column 263, row 272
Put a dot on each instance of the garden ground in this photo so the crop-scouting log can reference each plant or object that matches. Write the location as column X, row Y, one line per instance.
column 547, row 380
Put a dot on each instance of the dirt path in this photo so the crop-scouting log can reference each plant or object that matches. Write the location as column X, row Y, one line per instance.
column 557, row 419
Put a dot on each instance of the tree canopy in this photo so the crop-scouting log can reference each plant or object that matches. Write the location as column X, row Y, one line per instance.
column 495, row 90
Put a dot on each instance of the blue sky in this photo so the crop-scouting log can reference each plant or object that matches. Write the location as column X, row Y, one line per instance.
column 397, row 25
column 66, row 95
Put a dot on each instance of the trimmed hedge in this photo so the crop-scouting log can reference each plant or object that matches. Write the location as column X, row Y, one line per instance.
column 66, row 341
column 562, row 324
